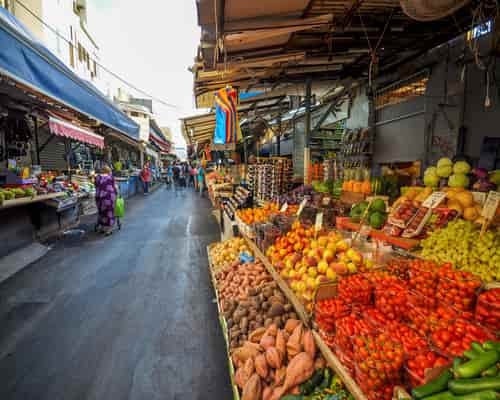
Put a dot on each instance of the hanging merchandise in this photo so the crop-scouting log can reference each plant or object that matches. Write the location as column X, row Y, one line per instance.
column 227, row 127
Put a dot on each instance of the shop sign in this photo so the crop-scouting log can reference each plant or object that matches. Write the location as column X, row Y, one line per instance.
column 223, row 147
column 479, row 197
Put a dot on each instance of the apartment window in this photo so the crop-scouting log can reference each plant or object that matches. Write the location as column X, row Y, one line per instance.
column 71, row 55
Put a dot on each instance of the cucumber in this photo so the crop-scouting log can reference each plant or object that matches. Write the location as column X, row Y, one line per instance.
column 465, row 386
column 457, row 361
column 471, row 354
column 477, row 347
column 441, row 396
column 474, row 367
column 491, row 371
column 483, row 395
column 435, row 386
column 490, row 345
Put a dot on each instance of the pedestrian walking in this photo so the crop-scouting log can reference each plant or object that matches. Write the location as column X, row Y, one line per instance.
column 105, row 198
column 192, row 175
column 145, row 177
column 201, row 179
column 170, row 174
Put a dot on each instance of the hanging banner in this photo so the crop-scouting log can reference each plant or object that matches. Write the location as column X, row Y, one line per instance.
column 227, row 126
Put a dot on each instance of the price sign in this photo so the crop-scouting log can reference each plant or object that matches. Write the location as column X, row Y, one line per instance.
column 479, row 197
column 434, row 200
column 284, row 207
column 319, row 222
column 301, row 207
column 491, row 205
column 326, row 201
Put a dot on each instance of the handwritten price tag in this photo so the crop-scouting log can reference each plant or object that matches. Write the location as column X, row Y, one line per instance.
column 319, row 222
column 301, row 207
column 434, row 199
column 284, row 207
column 491, row 205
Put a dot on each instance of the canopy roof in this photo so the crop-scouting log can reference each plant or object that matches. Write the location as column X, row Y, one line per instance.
column 29, row 63
column 264, row 43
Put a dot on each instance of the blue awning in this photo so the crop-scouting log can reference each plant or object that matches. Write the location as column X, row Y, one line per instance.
column 24, row 59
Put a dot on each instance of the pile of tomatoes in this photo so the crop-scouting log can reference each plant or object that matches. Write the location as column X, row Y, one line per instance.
column 457, row 288
column 455, row 337
column 416, row 366
column 346, row 329
column 355, row 289
column 328, row 311
column 399, row 267
column 379, row 361
column 488, row 309
column 392, row 301
column 423, row 279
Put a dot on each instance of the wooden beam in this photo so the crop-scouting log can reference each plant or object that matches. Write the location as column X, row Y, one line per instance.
column 256, row 24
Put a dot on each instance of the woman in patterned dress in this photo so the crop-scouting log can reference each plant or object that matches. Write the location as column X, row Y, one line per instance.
column 105, row 198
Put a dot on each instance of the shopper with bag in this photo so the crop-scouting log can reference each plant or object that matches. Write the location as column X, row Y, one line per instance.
column 145, row 177
column 105, row 198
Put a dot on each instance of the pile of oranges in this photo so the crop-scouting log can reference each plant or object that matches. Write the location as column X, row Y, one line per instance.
column 250, row 216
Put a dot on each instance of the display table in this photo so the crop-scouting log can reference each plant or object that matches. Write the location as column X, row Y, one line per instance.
column 28, row 200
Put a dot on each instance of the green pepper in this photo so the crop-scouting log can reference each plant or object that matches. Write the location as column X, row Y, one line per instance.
column 483, row 395
column 490, row 345
column 457, row 361
column 441, row 396
column 466, row 386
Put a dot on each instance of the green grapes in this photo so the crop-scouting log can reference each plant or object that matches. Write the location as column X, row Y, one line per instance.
column 460, row 243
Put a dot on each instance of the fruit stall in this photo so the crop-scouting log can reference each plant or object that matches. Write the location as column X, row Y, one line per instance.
column 391, row 312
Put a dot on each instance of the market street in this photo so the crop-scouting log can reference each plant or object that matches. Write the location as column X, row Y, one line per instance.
column 126, row 317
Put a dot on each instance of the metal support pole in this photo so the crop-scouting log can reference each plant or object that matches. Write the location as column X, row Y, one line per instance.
column 37, row 144
column 307, row 139
column 280, row 132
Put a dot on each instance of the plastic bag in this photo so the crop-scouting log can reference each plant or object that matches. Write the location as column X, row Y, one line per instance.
column 120, row 207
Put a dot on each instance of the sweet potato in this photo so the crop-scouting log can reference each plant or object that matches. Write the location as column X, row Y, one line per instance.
column 267, row 391
column 252, row 389
column 255, row 346
column 274, row 357
column 267, row 341
column 294, row 346
column 249, row 367
column 300, row 369
column 291, row 324
column 239, row 378
column 261, row 366
column 272, row 330
column 243, row 353
column 309, row 344
column 279, row 376
column 257, row 334
column 281, row 343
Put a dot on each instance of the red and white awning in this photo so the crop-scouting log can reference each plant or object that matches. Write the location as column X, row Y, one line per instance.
column 66, row 129
column 162, row 144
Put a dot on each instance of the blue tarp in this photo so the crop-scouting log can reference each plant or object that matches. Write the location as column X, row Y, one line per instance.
column 24, row 59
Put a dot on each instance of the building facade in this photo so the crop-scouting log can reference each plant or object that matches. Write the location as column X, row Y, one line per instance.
column 61, row 25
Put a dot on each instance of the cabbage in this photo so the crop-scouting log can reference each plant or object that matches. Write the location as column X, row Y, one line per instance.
column 431, row 180
column 444, row 161
column 444, row 171
column 458, row 180
column 461, row 167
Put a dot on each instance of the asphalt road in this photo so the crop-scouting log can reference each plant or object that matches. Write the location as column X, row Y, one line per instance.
column 130, row 316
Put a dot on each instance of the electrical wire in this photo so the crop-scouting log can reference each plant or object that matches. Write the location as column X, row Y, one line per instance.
column 115, row 75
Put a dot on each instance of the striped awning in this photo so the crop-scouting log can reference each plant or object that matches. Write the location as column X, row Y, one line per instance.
column 66, row 129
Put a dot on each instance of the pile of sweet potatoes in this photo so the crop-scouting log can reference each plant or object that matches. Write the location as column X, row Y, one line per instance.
column 263, row 306
column 273, row 362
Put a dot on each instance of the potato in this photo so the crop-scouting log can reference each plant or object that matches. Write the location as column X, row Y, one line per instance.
column 276, row 310
column 244, row 324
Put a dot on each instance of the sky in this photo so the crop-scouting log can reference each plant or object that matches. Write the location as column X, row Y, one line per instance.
column 150, row 43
